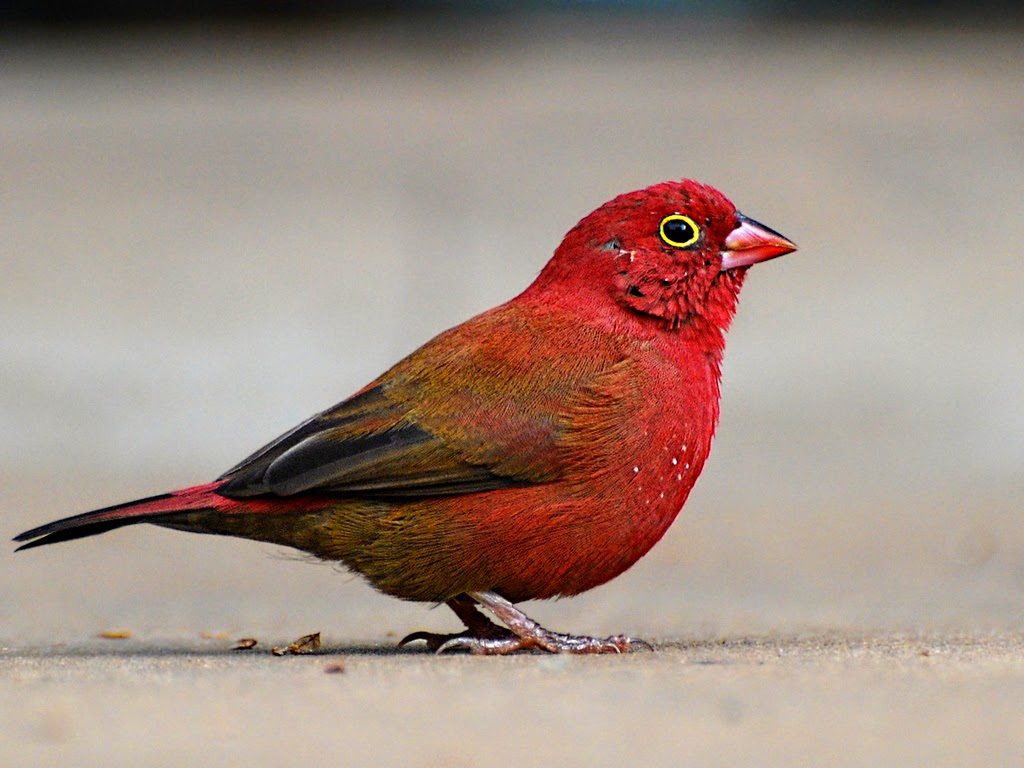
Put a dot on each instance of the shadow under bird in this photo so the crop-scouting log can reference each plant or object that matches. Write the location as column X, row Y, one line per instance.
column 537, row 450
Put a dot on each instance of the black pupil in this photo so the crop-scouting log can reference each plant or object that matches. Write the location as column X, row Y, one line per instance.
column 678, row 231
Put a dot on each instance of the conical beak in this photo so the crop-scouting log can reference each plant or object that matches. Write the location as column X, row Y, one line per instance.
column 751, row 243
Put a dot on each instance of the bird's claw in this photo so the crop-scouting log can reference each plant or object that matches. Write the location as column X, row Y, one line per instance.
column 432, row 639
column 439, row 643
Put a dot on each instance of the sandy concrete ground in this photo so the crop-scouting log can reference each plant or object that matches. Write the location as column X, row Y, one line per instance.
column 950, row 700
column 209, row 235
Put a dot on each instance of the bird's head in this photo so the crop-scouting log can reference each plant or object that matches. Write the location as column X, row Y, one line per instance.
column 676, row 251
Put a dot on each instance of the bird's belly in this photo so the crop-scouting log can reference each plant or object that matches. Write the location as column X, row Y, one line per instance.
column 542, row 541
column 623, row 481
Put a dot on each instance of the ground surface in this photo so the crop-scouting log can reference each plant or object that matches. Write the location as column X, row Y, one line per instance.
column 209, row 235
column 753, row 701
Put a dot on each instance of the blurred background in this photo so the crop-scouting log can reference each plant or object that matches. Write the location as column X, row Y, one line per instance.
column 219, row 219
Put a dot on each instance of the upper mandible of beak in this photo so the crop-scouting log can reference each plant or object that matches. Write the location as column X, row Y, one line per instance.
column 752, row 242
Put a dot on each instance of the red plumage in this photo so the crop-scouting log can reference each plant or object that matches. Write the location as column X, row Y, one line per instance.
column 539, row 449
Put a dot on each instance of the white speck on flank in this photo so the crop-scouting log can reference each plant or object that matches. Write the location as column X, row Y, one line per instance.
column 635, row 470
column 674, row 461
column 687, row 465
column 679, row 476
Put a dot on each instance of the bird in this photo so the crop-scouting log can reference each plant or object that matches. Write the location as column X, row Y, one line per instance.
column 537, row 450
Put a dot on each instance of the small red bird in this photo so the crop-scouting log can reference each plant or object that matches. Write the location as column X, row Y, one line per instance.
column 537, row 450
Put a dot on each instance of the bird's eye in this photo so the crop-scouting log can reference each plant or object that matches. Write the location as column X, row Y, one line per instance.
column 679, row 231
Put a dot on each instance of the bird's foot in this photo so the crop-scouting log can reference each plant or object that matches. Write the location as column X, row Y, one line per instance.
column 439, row 642
column 543, row 640
column 478, row 628
column 483, row 637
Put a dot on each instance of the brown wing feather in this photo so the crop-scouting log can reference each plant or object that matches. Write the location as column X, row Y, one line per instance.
column 464, row 413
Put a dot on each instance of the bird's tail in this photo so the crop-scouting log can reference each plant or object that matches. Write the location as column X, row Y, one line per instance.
column 160, row 509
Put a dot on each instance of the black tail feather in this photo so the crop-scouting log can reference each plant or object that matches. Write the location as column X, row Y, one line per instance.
column 69, row 534
column 85, row 524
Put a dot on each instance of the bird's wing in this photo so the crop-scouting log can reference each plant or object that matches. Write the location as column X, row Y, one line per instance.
column 364, row 445
column 473, row 410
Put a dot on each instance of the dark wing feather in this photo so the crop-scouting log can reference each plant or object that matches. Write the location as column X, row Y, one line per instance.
column 366, row 445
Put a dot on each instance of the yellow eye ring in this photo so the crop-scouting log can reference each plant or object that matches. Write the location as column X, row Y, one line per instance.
column 679, row 231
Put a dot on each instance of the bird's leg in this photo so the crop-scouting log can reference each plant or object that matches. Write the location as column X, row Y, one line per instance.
column 478, row 627
column 523, row 632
